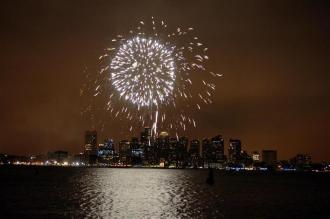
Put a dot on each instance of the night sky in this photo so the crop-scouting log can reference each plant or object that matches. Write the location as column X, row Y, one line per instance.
column 274, row 55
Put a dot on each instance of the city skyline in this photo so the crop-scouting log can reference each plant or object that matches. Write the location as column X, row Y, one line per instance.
column 164, row 151
column 102, row 137
column 273, row 56
column 93, row 141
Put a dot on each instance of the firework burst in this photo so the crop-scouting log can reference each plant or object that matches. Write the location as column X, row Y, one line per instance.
column 154, row 76
column 143, row 72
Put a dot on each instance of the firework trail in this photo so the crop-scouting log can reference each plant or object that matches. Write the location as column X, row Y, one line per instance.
column 154, row 76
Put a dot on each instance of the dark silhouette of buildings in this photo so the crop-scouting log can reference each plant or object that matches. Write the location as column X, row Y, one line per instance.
column 171, row 152
column 168, row 152
column 213, row 151
column 136, row 151
column 194, row 153
column 91, row 147
column 301, row 162
column 58, row 156
column 269, row 157
column 234, row 151
column 124, row 152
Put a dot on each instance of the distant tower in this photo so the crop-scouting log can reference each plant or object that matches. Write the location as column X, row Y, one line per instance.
column 183, row 143
column 91, row 146
column 234, row 150
column 109, row 144
column 146, row 136
column 194, row 153
column 218, row 146
column 207, row 151
column 106, row 152
column 194, row 147
column 90, row 140
column 125, row 151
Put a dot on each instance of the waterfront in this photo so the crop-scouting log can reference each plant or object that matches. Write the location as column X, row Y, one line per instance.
column 58, row 192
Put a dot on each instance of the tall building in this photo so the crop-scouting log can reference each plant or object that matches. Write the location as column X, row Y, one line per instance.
column 194, row 147
column 136, row 151
column 269, row 157
column 194, row 153
column 146, row 136
column 234, row 150
column 181, row 152
column 173, row 152
column 124, row 152
column 109, row 144
column 162, row 148
column 106, row 152
column 213, row 151
column 135, row 144
column 208, row 153
column 183, row 143
column 147, row 147
column 218, row 147
column 245, row 158
column 90, row 141
column 301, row 161
column 91, row 147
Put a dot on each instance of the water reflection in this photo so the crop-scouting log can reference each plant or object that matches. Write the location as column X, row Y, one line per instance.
column 143, row 193
column 160, row 193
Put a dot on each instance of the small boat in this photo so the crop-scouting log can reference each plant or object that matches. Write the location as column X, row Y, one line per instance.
column 210, row 178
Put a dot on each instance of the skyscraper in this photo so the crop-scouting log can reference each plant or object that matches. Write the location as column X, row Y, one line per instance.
column 194, row 152
column 161, row 148
column 106, row 152
column 146, row 136
column 218, row 147
column 146, row 145
column 181, row 152
column 213, row 151
column 125, row 152
column 207, row 151
column 136, row 151
column 194, row 147
column 173, row 154
column 91, row 146
column 234, row 150
column 301, row 162
column 91, row 137
column 109, row 144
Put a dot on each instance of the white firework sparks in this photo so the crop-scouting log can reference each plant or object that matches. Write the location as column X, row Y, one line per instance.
column 155, row 77
column 143, row 72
